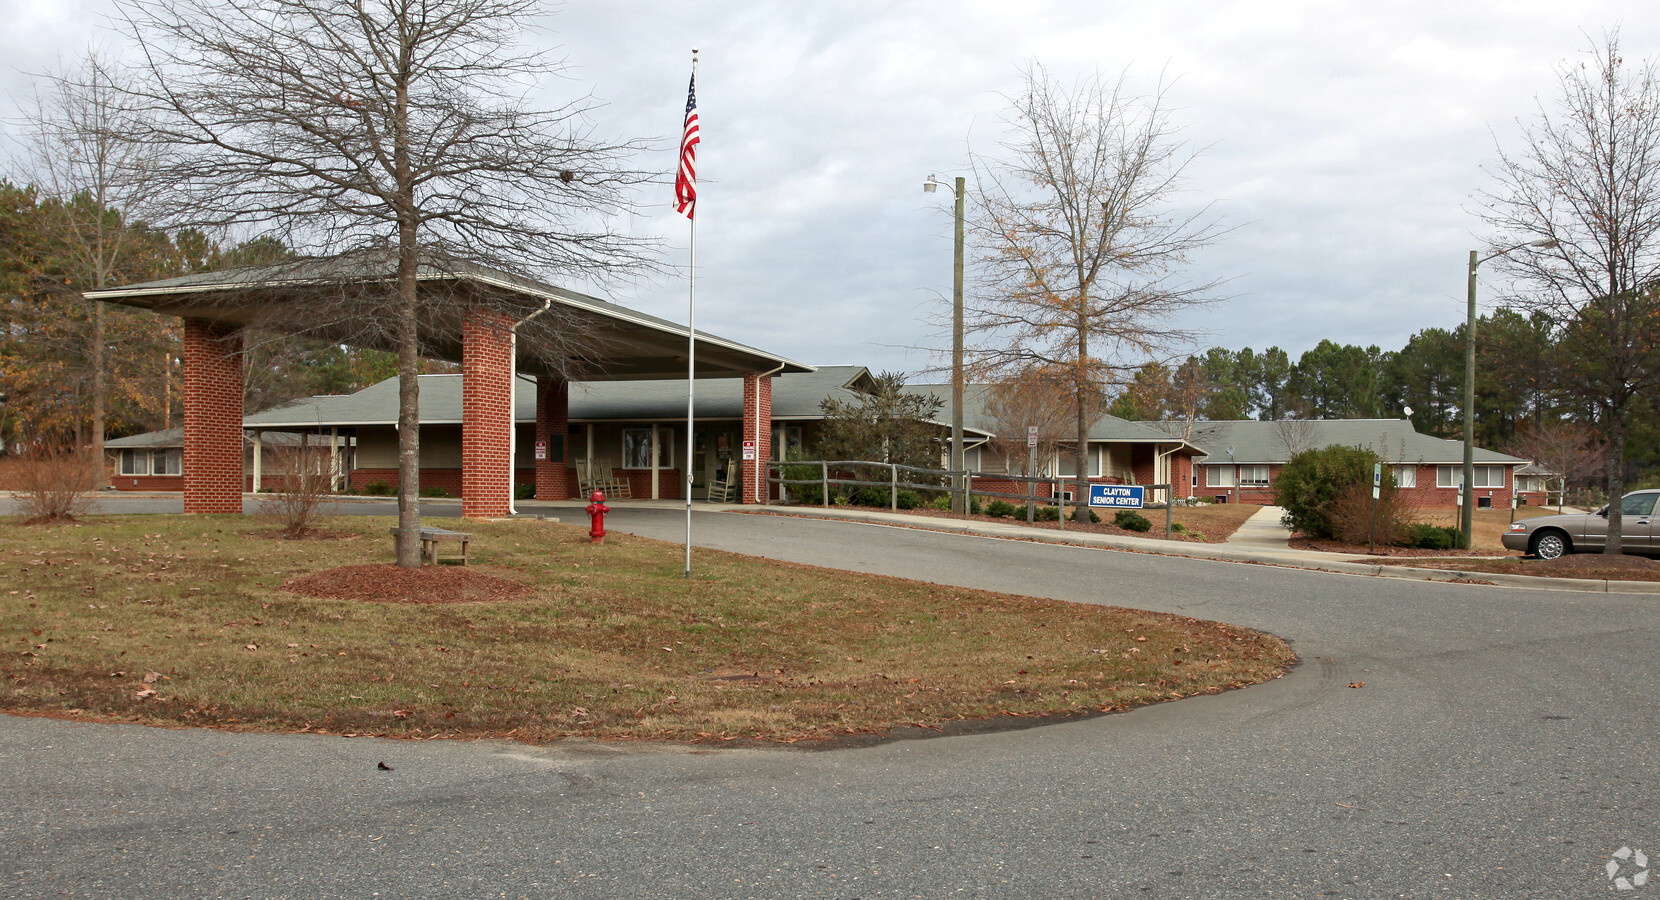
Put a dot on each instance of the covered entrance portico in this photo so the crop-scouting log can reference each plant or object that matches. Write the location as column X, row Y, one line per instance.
column 479, row 319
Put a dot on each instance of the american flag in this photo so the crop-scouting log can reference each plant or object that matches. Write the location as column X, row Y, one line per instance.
column 685, row 181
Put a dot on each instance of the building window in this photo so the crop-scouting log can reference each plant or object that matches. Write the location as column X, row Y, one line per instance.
column 1483, row 476
column 637, row 448
column 135, row 462
column 785, row 438
column 167, row 462
column 1405, row 476
column 1218, row 476
column 1253, row 476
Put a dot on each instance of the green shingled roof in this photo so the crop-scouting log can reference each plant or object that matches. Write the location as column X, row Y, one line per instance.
column 1395, row 440
column 794, row 396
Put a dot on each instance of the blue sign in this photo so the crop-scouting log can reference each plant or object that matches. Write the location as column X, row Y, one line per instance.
column 1119, row 496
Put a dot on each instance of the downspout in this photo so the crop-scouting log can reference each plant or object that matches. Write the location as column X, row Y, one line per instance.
column 513, row 408
column 763, row 467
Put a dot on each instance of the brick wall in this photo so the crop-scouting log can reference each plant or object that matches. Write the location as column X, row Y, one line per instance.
column 757, row 426
column 486, row 415
column 212, row 466
column 147, row 482
column 553, row 403
column 1423, row 494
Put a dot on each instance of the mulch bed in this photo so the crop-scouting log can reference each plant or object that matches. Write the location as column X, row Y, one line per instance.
column 1593, row 566
column 385, row 583
column 1332, row 546
column 1156, row 516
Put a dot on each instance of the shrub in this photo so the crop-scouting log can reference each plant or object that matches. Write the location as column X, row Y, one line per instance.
column 524, row 492
column 909, row 499
column 1046, row 514
column 54, row 483
column 1431, row 537
column 1311, row 482
column 1351, row 515
column 1000, row 509
column 1177, row 528
column 1130, row 520
column 943, row 501
column 302, row 481
column 378, row 489
column 434, row 492
column 871, row 496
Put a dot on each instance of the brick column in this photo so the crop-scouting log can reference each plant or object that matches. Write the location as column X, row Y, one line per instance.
column 486, row 415
column 553, row 405
column 212, row 418
column 757, row 427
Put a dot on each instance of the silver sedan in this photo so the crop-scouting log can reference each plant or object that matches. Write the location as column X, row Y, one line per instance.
column 1549, row 537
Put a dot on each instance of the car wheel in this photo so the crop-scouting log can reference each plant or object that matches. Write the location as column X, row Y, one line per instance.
column 1551, row 545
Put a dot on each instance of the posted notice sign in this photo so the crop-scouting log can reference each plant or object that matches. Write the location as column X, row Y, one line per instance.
column 1118, row 496
column 541, row 449
column 749, row 449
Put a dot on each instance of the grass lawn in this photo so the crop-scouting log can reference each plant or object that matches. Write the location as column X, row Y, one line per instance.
column 184, row 620
column 1487, row 525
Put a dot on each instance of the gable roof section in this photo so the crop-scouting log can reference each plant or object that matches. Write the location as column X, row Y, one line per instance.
column 794, row 396
column 1106, row 430
column 1395, row 440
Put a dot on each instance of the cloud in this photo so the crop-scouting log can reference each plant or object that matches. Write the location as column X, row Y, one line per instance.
column 1342, row 141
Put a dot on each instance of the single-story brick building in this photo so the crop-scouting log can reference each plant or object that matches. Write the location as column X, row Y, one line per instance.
column 1245, row 456
column 1120, row 451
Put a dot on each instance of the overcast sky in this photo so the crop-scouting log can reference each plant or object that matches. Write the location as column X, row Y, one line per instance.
column 1344, row 142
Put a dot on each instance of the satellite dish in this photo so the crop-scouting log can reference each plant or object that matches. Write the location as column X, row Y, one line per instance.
column 1407, row 410
column 1230, row 449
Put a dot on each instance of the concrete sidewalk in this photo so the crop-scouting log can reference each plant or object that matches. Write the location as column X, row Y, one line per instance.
column 1263, row 531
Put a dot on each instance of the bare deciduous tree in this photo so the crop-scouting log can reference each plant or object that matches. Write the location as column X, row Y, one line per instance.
column 1034, row 399
column 1294, row 435
column 1081, row 239
column 385, row 134
column 79, row 151
column 1587, row 178
column 1568, row 449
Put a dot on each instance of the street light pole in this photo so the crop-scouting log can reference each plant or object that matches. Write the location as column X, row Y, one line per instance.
column 1467, row 516
column 959, row 502
column 1466, row 513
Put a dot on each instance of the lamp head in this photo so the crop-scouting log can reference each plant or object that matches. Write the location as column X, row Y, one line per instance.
column 929, row 185
column 1545, row 244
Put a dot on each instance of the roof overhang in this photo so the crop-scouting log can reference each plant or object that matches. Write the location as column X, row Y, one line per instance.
column 626, row 344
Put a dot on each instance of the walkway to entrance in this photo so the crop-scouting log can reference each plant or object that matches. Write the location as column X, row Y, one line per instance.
column 1262, row 531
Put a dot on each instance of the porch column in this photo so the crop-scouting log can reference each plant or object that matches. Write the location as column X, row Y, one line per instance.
column 486, row 415
column 553, row 408
column 212, row 417
column 757, row 427
column 259, row 452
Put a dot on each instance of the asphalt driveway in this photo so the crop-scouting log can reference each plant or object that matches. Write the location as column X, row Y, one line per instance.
column 1496, row 743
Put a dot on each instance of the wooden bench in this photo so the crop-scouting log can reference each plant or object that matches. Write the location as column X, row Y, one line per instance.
column 432, row 537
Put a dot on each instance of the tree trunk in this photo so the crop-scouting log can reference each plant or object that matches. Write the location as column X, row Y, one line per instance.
column 409, row 360
column 1080, row 496
column 99, row 390
column 1616, row 474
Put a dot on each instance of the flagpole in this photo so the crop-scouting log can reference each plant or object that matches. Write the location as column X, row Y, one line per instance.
column 691, row 365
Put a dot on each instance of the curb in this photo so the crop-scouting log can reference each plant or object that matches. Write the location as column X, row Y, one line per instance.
column 1290, row 559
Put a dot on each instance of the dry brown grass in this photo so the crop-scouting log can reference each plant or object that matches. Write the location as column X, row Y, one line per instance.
column 1488, row 525
column 175, row 619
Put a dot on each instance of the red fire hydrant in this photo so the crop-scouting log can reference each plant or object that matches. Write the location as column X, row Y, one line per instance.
column 596, row 512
